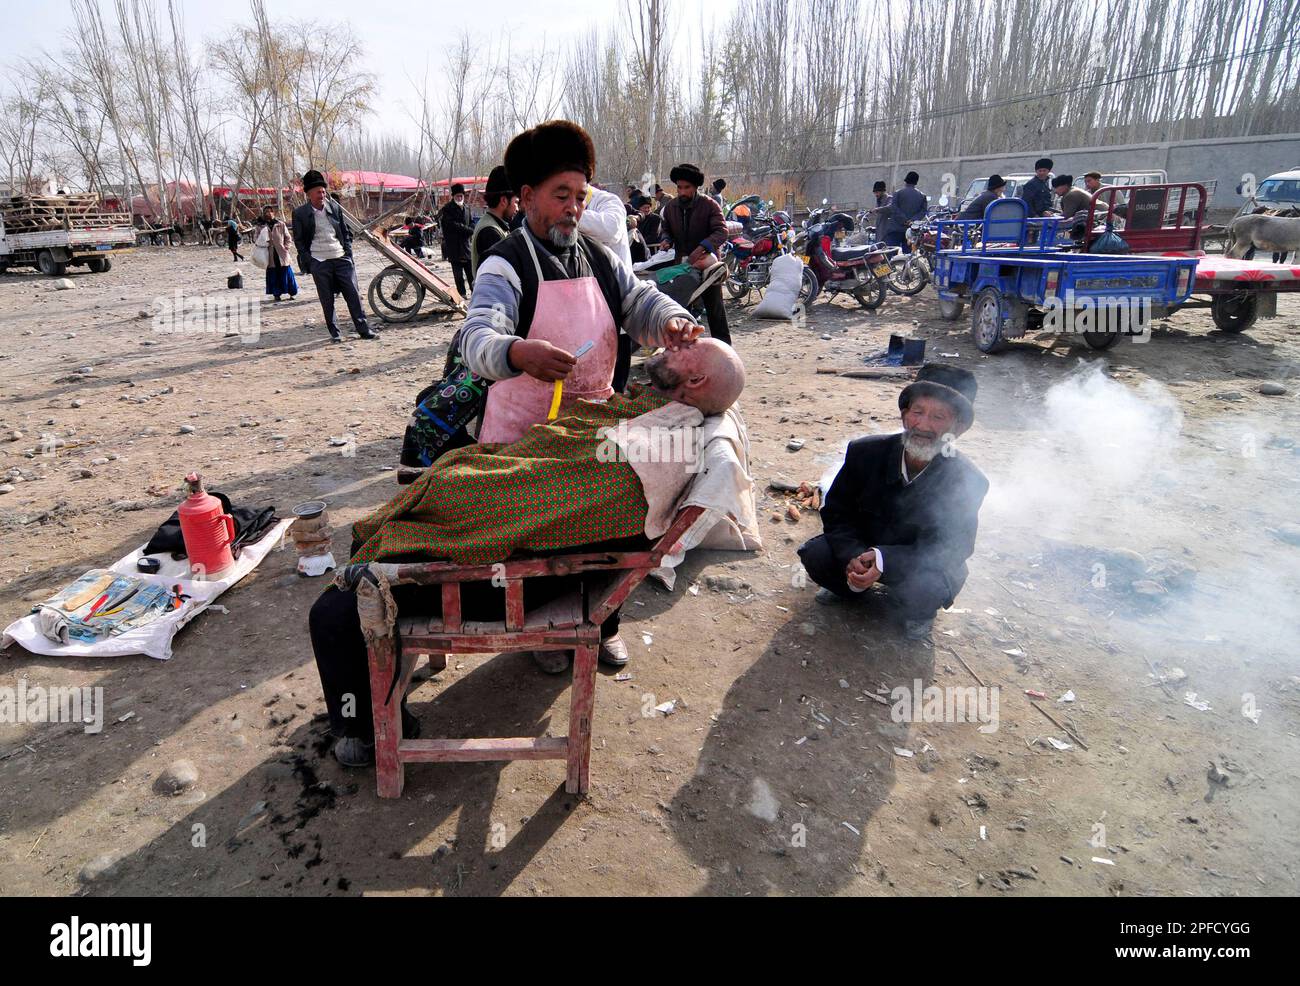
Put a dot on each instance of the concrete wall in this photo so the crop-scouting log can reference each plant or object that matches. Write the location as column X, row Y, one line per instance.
column 1225, row 159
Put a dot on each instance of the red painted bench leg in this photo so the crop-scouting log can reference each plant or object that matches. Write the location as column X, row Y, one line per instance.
column 580, row 712
column 390, row 772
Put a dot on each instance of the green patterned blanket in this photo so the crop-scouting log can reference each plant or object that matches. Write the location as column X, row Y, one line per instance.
column 547, row 491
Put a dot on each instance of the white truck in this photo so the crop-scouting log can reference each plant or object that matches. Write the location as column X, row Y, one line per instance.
column 54, row 232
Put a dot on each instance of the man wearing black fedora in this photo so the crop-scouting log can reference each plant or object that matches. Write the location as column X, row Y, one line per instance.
column 900, row 518
column 324, row 245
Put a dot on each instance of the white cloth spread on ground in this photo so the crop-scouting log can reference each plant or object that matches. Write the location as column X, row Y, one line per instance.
column 153, row 639
column 685, row 459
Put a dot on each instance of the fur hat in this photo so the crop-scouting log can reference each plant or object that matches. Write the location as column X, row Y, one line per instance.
column 1043, row 162
column 313, row 179
column 879, row 186
column 953, row 385
column 1060, row 180
column 498, row 182
column 719, row 184
column 687, row 172
column 458, row 189
column 546, row 150
column 911, row 178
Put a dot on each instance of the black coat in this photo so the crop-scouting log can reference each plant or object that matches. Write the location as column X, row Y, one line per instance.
column 907, row 205
column 304, row 230
column 978, row 204
column 1037, row 195
column 457, row 227
column 928, row 524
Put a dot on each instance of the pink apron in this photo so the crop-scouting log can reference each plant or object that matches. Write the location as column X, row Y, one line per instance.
column 569, row 313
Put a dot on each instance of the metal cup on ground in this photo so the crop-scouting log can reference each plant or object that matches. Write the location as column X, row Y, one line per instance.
column 310, row 532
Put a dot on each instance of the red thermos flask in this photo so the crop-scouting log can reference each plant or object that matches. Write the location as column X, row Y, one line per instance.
column 207, row 531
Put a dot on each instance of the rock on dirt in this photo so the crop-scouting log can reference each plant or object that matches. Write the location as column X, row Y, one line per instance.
column 1270, row 388
column 99, row 868
column 179, row 776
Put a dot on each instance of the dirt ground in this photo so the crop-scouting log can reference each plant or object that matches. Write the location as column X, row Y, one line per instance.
column 777, row 774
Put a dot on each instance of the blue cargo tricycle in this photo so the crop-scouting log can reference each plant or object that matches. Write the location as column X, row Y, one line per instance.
column 1017, row 274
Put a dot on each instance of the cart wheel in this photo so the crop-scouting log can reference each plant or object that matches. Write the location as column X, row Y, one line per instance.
column 1234, row 312
column 950, row 311
column 394, row 295
column 986, row 321
column 872, row 296
column 49, row 266
column 99, row 265
column 1100, row 340
column 808, row 287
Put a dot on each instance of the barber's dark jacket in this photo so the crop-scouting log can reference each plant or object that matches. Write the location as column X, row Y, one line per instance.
column 304, row 231
column 926, row 526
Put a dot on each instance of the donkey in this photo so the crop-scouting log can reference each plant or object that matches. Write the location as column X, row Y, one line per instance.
column 1279, row 234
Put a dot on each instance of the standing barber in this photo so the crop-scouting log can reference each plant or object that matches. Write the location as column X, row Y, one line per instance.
column 546, row 291
column 324, row 245
column 695, row 229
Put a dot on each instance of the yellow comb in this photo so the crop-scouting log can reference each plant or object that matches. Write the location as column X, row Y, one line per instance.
column 555, row 401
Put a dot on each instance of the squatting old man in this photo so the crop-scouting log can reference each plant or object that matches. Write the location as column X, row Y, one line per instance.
column 900, row 518
column 555, row 489
column 547, row 290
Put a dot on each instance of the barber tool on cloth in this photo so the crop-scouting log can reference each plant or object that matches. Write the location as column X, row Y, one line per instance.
column 559, row 384
column 570, row 311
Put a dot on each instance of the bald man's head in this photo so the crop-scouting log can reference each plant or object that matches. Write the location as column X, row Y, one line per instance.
column 707, row 375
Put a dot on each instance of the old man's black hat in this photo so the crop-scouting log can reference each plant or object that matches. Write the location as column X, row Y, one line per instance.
column 953, row 385
column 546, row 150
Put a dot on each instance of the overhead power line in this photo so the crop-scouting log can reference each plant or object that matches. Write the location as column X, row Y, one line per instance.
column 998, row 103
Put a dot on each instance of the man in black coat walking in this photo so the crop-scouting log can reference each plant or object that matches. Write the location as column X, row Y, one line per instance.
column 902, row 513
column 457, row 228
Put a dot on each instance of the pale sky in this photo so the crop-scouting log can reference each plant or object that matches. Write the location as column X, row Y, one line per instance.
column 399, row 37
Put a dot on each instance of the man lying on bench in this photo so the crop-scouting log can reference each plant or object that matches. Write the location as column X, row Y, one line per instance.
column 555, row 490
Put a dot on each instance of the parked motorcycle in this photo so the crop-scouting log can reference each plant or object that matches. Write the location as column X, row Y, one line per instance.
column 862, row 271
column 749, row 256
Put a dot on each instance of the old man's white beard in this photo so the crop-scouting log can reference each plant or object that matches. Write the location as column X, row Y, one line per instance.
column 920, row 448
column 560, row 238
